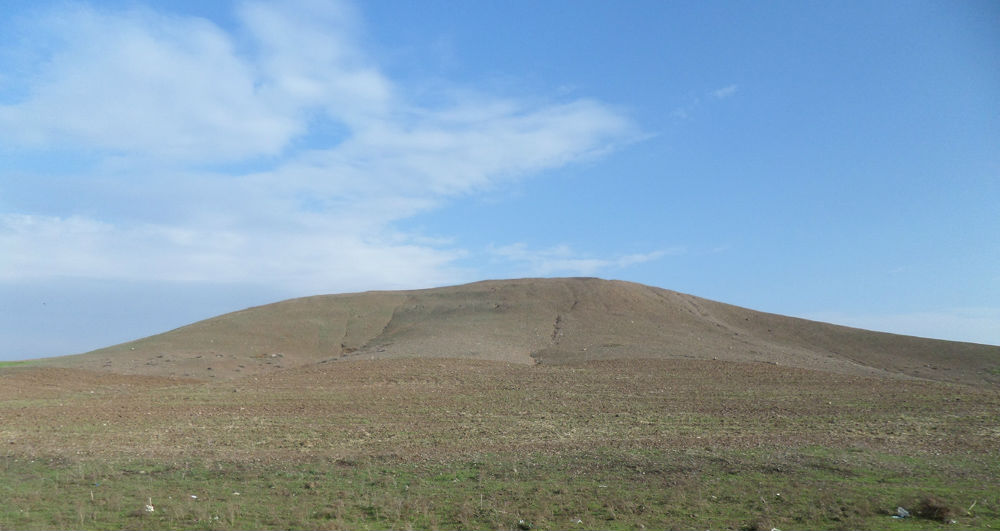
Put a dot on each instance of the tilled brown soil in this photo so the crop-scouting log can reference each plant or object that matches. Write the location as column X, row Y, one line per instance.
column 414, row 409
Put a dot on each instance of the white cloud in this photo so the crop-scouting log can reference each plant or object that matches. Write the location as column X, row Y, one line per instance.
column 308, row 56
column 977, row 325
column 724, row 92
column 155, row 97
column 306, row 261
column 145, row 84
column 426, row 153
column 562, row 260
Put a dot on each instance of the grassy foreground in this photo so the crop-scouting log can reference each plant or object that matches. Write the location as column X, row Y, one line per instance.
column 443, row 444
column 609, row 489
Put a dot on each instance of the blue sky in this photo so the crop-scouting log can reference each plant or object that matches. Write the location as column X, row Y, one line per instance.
column 165, row 162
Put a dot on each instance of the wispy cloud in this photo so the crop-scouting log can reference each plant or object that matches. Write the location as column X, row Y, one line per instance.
column 724, row 92
column 686, row 111
column 142, row 84
column 563, row 260
column 161, row 102
column 38, row 247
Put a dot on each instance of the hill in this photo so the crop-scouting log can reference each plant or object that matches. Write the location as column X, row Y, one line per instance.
column 513, row 404
column 531, row 321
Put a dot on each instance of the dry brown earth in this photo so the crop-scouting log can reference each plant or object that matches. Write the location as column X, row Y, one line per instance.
column 422, row 408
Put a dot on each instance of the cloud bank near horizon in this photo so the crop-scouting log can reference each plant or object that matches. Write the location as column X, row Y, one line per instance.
column 277, row 152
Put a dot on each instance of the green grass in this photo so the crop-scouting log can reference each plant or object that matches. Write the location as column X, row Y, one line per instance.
column 609, row 488
column 15, row 363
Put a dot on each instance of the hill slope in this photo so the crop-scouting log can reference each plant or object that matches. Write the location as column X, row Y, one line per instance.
column 548, row 321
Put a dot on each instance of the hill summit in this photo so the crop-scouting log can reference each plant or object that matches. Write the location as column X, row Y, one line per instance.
column 543, row 321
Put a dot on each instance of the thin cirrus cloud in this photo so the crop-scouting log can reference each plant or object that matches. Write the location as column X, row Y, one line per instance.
column 160, row 100
column 686, row 111
column 563, row 259
column 725, row 92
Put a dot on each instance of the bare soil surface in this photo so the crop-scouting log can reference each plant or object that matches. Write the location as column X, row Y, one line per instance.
column 446, row 443
column 427, row 408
